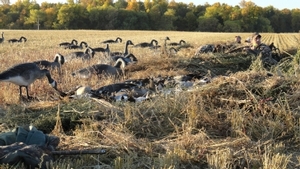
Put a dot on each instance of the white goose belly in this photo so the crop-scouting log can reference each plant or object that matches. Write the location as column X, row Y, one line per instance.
column 19, row 80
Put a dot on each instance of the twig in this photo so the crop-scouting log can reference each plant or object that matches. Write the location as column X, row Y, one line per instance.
column 106, row 104
column 77, row 152
column 286, row 52
column 237, row 101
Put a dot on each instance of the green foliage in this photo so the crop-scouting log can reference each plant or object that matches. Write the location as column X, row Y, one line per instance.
column 208, row 24
column 72, row 16
column 153, row 15
column 296, row 20
column 36, row 16
column 120, row 4
column 232, row 26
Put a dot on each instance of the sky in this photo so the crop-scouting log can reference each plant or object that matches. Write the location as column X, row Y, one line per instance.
column 279, row 4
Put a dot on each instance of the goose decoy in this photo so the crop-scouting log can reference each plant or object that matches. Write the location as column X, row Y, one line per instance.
column 108, row 90
column 56, row 64
column 154, row 47
column 128, row 42
column 66, row 44
column 86, row 55
column 205, row 49
column 146, row 44
column 80, row 46
column 164, row 47
column 22, row 39
column 129, row 58
column 188, row 77
column 118, row 40
column 173, row 51
column 25, row 74
column 101, row 69
column 103, row 50
column 181, row 42
column 139, row 82
column 2, row 39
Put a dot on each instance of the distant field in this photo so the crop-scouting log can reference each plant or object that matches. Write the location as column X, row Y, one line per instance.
column 43, row 44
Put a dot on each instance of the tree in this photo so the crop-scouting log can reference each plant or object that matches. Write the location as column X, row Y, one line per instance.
column 296, row 20
column 50, row 17
column 35, row 18
column 191, row 21
column 120, row 4
column 180, row 22
column 208, row 24
column 132, row 5
column 148, row 5
column 72, row 16
column 154, row 17
column 232, row 26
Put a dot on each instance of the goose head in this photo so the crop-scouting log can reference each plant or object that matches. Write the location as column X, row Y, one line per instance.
column 119, row 40
column 182, row 42
column 23, row 38
column 120, row 63
column 83, row 43
column 129, row 42
column 59, row 58
column 74, row 42
column 154, row 41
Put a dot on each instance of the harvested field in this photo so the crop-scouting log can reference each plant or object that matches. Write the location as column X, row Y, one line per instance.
column 245, row 117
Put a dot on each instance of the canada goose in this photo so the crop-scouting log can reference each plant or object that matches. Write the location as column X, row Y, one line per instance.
column 101, row 69
column 22, row 39
column 58, row 61
column 188, row 77
column 129, row 58
column 155, row 47
column 103, row 50
column 164, row 47
column 86, row 55
column 25, row 74
column 181, row 42
column 172, row 51
column 108, row 90
column 2, row 39
column 80, row 46
column 139, row 82
column 118, row 40
column 128, row 42
column 205, row 49
column 146, row 44
column 66, row 44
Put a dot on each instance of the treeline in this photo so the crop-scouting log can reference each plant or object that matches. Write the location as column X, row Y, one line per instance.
column 147, row 15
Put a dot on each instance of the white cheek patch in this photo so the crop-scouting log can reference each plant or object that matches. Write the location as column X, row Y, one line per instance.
column 53, row 84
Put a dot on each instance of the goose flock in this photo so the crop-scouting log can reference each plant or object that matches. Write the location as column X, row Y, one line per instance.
column 25, row 74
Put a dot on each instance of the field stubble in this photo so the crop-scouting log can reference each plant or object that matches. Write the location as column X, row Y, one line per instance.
column 243, row 118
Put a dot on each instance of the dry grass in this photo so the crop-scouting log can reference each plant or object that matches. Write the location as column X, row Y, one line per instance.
column 242, row 119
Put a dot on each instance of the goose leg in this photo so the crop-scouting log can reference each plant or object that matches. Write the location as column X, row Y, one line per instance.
column 28, row 97
column 20, row 88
